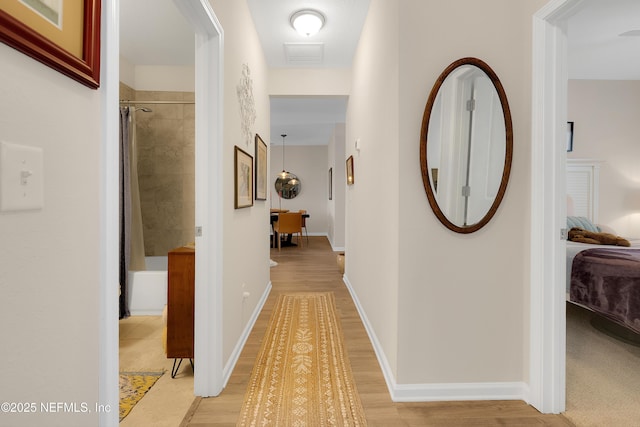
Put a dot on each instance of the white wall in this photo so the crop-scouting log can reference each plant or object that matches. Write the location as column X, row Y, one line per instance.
column 372, row 202
column 49, row 258
column 309, row 164
column 246, row 231
column 336, row 212
column 606, row 127
column 157, row 77
column 309, row 81
column 445, row 307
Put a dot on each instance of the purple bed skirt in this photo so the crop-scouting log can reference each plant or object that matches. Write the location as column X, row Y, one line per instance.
column 607, row 281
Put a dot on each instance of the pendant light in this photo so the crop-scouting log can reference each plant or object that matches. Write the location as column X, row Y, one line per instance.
column 287, row 184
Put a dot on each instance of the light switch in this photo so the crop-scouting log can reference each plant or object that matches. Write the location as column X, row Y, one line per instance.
column 21, row 177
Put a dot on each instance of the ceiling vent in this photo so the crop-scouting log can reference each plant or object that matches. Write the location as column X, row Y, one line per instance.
column 304, row 53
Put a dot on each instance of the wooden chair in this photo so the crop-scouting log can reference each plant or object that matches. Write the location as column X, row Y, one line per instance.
column 288, row 223
column 304, row 224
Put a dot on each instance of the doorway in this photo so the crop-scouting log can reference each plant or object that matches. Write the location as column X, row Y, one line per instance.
column 208, row 211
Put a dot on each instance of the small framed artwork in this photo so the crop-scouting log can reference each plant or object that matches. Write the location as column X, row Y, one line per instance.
column 569, row 137
column 350, row 176
column 63, row 35
column 330, row 183
column 261, row 168
column 243, row 170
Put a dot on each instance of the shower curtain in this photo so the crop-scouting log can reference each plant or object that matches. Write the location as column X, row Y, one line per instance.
column 131, row 234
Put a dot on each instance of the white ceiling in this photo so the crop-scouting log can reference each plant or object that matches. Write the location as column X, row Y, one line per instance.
column 153, row 32
column 336, row 42
column 596, row 49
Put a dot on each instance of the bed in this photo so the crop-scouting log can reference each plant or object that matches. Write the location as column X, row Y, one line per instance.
column 606, row 280
column 602, row 278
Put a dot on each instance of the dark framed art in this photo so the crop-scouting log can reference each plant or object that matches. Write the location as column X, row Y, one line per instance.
column 350, row 176
column 330, row 183
column 243, row 179
column 569, row 137
column 261, row 168
column 64, row 35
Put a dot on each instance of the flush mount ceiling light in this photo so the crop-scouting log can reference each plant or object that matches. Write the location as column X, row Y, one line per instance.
column 307, row 22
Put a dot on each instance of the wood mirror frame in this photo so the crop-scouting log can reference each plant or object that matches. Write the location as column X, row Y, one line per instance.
column 424, row 139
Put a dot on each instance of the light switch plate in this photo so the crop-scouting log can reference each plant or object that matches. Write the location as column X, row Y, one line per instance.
column 21, row 177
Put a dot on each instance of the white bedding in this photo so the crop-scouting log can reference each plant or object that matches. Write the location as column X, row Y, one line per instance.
column 574, row 247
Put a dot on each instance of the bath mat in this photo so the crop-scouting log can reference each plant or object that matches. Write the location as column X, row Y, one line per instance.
column 133, row 386
column 302, row 375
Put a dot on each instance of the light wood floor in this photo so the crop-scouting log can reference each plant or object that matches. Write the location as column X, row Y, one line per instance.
column 314, row 268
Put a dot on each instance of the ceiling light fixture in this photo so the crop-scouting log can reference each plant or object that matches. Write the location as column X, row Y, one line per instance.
column 307, row 22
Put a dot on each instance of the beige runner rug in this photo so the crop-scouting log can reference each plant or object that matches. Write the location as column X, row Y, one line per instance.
column 302, row 375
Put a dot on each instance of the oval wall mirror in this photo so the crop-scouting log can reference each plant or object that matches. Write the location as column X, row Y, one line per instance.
column 466, row 145
column 287, row 185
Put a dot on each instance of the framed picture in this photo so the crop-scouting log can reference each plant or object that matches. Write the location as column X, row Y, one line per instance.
column 261, row 168
column 569, row 137
column 243, row 171
column 350, row 177
column 330, row 183
column 62, row 34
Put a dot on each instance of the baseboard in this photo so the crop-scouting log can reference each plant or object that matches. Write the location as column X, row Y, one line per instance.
column 337, row 248
column 435, row 392
column 459, row 391
column 377, row 348
column 152, row 312
column 235, row 354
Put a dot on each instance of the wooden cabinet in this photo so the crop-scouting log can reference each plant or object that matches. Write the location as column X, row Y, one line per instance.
column 180, row 304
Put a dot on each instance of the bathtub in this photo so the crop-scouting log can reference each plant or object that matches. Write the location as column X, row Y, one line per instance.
column 148, row 289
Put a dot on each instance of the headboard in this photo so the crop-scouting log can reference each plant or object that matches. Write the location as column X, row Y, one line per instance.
column 583, row 184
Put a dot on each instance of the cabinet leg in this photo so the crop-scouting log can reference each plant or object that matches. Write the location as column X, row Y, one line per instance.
column 175, row 369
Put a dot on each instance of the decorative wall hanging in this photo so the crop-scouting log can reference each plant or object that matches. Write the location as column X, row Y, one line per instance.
column 350, row 177
column 569, row 137
column 247, row 104
column 261, row 169
column 71, row 47
column 243, row 172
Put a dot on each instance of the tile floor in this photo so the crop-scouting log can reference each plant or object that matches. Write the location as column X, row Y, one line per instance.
column 166, row 403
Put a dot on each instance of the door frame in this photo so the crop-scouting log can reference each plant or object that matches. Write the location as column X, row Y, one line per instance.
column 209, row 40
column 209, row 66
column 547, row 346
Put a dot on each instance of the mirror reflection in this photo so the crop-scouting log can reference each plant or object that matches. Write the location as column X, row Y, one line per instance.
column 466, row 145
column 287, row 185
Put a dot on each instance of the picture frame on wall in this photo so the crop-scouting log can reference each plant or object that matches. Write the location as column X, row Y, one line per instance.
column 569, row 137
column 261, row 168
column 350, row 175
column 330, row 183
column 243, row 179
column 64, row 35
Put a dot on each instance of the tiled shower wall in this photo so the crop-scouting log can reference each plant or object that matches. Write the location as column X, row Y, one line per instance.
column 166, row 168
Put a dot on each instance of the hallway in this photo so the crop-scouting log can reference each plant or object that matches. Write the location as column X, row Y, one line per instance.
column 313, row 268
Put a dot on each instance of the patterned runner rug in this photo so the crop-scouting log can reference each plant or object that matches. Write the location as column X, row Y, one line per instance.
column 302, row 375
column 133, row 387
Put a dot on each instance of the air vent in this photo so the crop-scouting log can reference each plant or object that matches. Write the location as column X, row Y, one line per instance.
column 304, row 53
